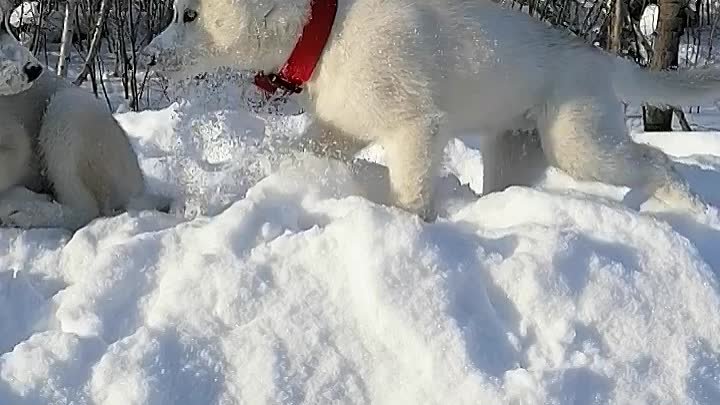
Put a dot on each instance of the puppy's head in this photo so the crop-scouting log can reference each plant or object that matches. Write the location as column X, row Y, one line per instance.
column 244, row 34
column 18, row 66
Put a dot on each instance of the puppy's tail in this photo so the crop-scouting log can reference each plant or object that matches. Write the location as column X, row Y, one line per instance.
column 676, row 87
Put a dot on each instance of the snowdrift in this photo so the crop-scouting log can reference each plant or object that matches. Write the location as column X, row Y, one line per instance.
column 287, row 286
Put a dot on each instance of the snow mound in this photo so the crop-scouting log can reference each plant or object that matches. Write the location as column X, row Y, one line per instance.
column 282, row 284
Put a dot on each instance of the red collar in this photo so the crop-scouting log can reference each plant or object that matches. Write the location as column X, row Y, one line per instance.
column 300, row 65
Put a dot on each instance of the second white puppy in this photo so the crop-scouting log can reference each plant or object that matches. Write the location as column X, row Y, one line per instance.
column 59, row 139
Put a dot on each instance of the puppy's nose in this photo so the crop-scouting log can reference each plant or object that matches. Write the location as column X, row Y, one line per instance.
column 32, row 71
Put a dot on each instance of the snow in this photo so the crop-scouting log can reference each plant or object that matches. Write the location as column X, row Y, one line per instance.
column 649, row 20
column 27, row 13
column 276, row 281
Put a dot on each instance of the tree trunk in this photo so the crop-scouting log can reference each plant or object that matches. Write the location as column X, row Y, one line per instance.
column 95, row 43
column 671, row 21
column 614, row 44
column 67, row 36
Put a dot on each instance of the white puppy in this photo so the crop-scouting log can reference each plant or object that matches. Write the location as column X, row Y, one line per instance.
column 59, row 139
column 411, row 74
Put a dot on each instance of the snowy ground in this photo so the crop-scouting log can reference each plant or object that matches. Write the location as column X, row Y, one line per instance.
column 290, row 287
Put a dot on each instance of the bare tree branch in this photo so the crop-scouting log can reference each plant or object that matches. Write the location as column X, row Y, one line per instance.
column 94, row 44
column 67, row 37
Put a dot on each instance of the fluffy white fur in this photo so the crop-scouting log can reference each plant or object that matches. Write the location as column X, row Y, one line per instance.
column 18, row 66
column 411, row 74
column 56, row 138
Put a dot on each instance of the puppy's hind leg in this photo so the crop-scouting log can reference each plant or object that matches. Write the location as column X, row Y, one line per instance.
column 664, row 183
column 586, row 137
